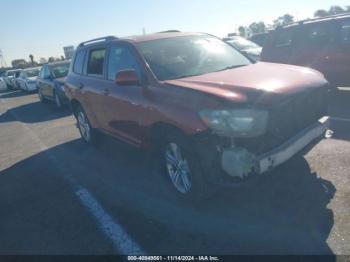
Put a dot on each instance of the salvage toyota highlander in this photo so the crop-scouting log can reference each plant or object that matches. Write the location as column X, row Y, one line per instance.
column 213, row 116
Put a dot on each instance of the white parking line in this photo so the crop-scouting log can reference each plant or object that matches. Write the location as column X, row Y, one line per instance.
column 122, row 242
column 113, row 230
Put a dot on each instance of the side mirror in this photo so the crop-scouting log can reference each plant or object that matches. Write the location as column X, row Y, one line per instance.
column 127, row 78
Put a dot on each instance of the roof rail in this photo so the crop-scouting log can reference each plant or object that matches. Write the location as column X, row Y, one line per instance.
column 319, row 19
column 169, row 31
column 100, row 39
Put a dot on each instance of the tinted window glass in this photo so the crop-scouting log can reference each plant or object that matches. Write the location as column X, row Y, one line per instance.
column 31, row 73
column 95, row 62
column 284, row 39
column 42, row 72
column 60, row 70
column 178, row 57
column 345, row 31
column 46, row 72
column 120, row 58
column 79, row 62
column 318, row 35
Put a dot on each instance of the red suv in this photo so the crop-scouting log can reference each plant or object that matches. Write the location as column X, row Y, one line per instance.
column 322, row 44
column 214, row 116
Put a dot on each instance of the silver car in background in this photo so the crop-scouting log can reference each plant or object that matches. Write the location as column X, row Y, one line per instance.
column 9, row 77
column 245, row 46
column 27, row 79
column 3, row 85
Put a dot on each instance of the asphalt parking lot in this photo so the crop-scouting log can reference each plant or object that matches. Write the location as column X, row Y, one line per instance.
column 60, row 196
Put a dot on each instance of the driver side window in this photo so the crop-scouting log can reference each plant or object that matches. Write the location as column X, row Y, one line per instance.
column 121, row 58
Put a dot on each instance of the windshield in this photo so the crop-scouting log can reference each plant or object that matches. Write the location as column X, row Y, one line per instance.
column 10, row 73
column 60, row 70
column 179, row 57
column 32, row 73
column 241, row 43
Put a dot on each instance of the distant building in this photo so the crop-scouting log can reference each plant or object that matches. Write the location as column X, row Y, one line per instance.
column 42, row 60
column 19, row 63
column 68, row 51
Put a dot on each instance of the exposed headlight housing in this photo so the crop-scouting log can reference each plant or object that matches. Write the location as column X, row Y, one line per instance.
column 236, row 122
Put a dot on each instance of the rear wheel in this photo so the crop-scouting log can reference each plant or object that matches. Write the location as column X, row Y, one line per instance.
column 41, row 97
column 181, row 166
column 88, row 134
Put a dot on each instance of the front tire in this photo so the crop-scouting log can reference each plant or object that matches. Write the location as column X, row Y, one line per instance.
column 88, row 134
column 182, row 167
column 58, row 101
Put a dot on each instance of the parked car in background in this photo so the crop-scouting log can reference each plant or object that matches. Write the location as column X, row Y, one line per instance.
column 27, row 79
column 322, row 44
column 3, row 85
column 14, row 80
column 214, row 117
column 259, row 39
column 9, row 75
column 247, row 47
column 50, row 82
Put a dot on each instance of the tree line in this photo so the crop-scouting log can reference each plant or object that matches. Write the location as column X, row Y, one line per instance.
column 261, row 27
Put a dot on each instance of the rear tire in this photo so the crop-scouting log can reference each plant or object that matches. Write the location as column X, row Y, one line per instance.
column 88, row 134
column 181, row 165
column 41, row 97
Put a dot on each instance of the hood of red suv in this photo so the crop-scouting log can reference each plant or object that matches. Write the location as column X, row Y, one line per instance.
column 262, row 83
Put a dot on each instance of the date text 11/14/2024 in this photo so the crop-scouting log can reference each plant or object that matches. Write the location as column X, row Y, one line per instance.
column 173, row 258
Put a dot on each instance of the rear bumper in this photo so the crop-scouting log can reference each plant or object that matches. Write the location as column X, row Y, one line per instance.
column 239, row 162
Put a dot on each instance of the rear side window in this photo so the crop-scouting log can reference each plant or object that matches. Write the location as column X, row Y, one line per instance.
column 284, row 39
column 96, row 62
column 79, row 62
column 121, row 58
column 317, row 35
column 345, row 31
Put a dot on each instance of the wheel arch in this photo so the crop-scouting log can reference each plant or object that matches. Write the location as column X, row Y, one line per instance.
column 159, row 130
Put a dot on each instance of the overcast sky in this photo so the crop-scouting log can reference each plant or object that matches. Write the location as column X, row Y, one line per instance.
column 42, row 27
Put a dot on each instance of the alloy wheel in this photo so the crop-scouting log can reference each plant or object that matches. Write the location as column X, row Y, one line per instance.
column 84, row 126
column 178, row 168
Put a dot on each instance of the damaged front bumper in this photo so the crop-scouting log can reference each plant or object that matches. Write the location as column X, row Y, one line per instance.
column 239, row 162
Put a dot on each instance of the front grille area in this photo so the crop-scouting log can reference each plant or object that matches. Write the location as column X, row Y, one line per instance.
column 289, row 118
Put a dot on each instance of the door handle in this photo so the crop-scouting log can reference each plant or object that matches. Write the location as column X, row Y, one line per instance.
column 81, row 86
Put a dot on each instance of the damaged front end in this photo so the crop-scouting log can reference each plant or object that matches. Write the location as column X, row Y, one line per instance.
column 291, row 126
column 239, row 163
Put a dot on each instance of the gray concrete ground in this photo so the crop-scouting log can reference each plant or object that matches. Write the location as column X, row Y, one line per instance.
column 302, row 207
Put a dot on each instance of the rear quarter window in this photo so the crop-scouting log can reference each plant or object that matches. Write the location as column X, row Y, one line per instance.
column 79, row 62
column 284, row 39
column 96, row 62
column 317, row 35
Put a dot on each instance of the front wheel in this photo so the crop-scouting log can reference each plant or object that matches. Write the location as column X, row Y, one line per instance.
column 182, row 167
column 57, row 101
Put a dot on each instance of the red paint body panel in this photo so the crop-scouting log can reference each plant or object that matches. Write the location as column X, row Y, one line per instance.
column 331, row 57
